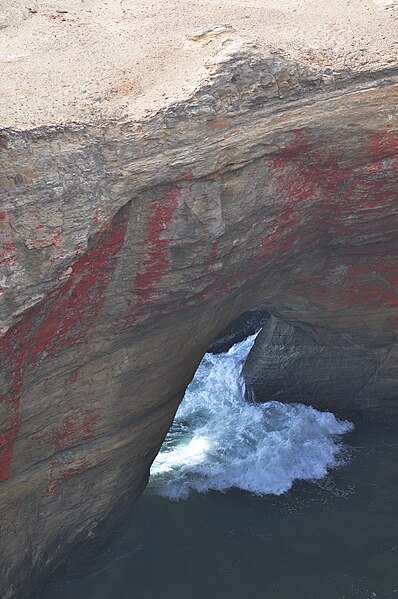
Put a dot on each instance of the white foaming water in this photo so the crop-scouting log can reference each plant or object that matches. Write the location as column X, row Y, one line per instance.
column 218, row 440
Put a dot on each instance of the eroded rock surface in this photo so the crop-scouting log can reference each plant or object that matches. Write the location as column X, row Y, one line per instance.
column 240, row 328
column 127, row 245
column 323, row 368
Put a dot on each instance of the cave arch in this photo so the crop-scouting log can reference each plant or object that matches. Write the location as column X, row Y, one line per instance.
column 288, row 204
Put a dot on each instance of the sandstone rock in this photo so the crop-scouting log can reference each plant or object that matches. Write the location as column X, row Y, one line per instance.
column 127, row 242
column 322, row 368
column 239, row 329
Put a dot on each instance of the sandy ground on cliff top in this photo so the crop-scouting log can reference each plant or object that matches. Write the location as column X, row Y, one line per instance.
column 80, row 60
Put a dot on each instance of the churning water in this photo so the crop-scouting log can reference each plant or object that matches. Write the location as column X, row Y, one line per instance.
column 218, row 440
column 332, row 534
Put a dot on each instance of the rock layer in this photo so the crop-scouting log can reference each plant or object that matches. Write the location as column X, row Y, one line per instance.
column 240, row 328
column 127, row 246
column 323, row 368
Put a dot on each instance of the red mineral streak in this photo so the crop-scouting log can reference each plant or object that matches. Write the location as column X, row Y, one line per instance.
column 8, row 257
column 53, row 488
column 74, row 376
column 75, row 428
column 209, row 289
column 61, row 468
column 228, row 283
column 2, row 215
column 79, row 426
column 211, row 257
column 315, row 201
column 63, row 318
column 156, row 260
column 46, row 238
column 77, row 466
column 351, row 197
column 188, row 176
column 219, row 285
column 374, row 284
column 382, row 143
column 9, row 246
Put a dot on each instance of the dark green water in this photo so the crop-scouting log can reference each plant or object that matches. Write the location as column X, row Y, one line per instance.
column 332, row 539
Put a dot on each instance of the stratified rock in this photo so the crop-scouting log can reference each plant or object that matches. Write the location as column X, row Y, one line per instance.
column 241, row 327
column 323, row 368
column 127, row 242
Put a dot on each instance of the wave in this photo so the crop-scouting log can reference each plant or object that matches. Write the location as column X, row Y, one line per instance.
column 218, row 440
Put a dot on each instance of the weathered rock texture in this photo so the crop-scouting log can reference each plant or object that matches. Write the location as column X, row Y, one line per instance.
column 317, row 366
column 240, row 328
column 127, row 245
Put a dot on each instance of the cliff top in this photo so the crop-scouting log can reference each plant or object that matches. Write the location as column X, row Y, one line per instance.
column 80, row 60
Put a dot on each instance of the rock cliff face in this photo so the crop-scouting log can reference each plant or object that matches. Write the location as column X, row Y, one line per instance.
column 332, row 370
column 127, row 245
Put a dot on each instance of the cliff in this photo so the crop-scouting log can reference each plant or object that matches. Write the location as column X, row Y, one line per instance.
column 129, row 241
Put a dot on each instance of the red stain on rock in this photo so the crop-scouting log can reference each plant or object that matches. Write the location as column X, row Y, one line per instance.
column 382, row 143
column 293, row 181
column 373, row 284
column 156, row 260
column 45, row 237
column 74, row 376
column 317, row 201
column 2, row 215
column 96, row 215
column 75, row 428
column 63, row 318
column 6, row 449
column 227, row 284
column 78, row 426
column 62, row 468
column 8, row 257
column 154, row 266
column 211, row 257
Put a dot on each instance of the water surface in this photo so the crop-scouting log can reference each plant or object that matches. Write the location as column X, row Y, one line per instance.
column 220, row 441
column 274, row 502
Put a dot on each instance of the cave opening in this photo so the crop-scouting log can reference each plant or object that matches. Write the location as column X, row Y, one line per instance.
column 274, row 501
column 222, row 438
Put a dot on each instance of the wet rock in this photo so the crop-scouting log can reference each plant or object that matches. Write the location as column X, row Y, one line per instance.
column 127, row 245
column 297, row 362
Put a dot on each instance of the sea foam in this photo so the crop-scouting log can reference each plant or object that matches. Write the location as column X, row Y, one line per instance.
column 218, row 440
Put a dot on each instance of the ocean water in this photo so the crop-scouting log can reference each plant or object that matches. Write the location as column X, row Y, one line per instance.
column 219, row 441
column 251, row 501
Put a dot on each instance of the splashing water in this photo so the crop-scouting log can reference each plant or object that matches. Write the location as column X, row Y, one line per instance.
column 218, row 440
